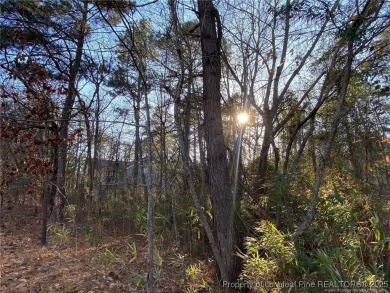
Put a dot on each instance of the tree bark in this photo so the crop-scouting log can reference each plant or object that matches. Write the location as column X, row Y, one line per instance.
column 149, row 188
column 137, row 146
column 66, row 115
column 211, row 36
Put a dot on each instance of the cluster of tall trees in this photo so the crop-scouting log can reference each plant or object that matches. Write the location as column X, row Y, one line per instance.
column 158, row 85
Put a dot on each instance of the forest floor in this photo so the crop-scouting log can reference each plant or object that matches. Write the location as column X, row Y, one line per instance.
column 80, row 259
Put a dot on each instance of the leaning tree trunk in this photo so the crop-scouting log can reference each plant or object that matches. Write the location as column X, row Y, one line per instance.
column 310, row 214
column 221, row 199
column 66, row 116
column 356, row 28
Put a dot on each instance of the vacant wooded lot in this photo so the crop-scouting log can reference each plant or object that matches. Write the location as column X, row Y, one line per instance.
column 195, row 146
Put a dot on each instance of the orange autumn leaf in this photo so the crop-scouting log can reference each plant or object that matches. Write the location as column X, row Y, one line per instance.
column 386, row 140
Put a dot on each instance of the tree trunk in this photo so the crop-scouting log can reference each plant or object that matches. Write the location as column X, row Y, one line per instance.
column 137, row 146
column 89, row 161
column 46, row 198
column 66, row 116
column 96, row 150
column 53, row 184
column 355, row 29
column 263, row 159
column 149, row 188
column 311, row 210
column 222, row 206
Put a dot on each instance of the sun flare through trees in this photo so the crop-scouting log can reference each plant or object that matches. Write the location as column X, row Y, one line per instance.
column 194, row 146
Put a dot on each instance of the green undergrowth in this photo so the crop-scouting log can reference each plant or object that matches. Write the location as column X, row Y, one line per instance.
column 345, row 248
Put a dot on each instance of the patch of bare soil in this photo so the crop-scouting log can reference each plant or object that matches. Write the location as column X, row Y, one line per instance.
column 80, row 259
